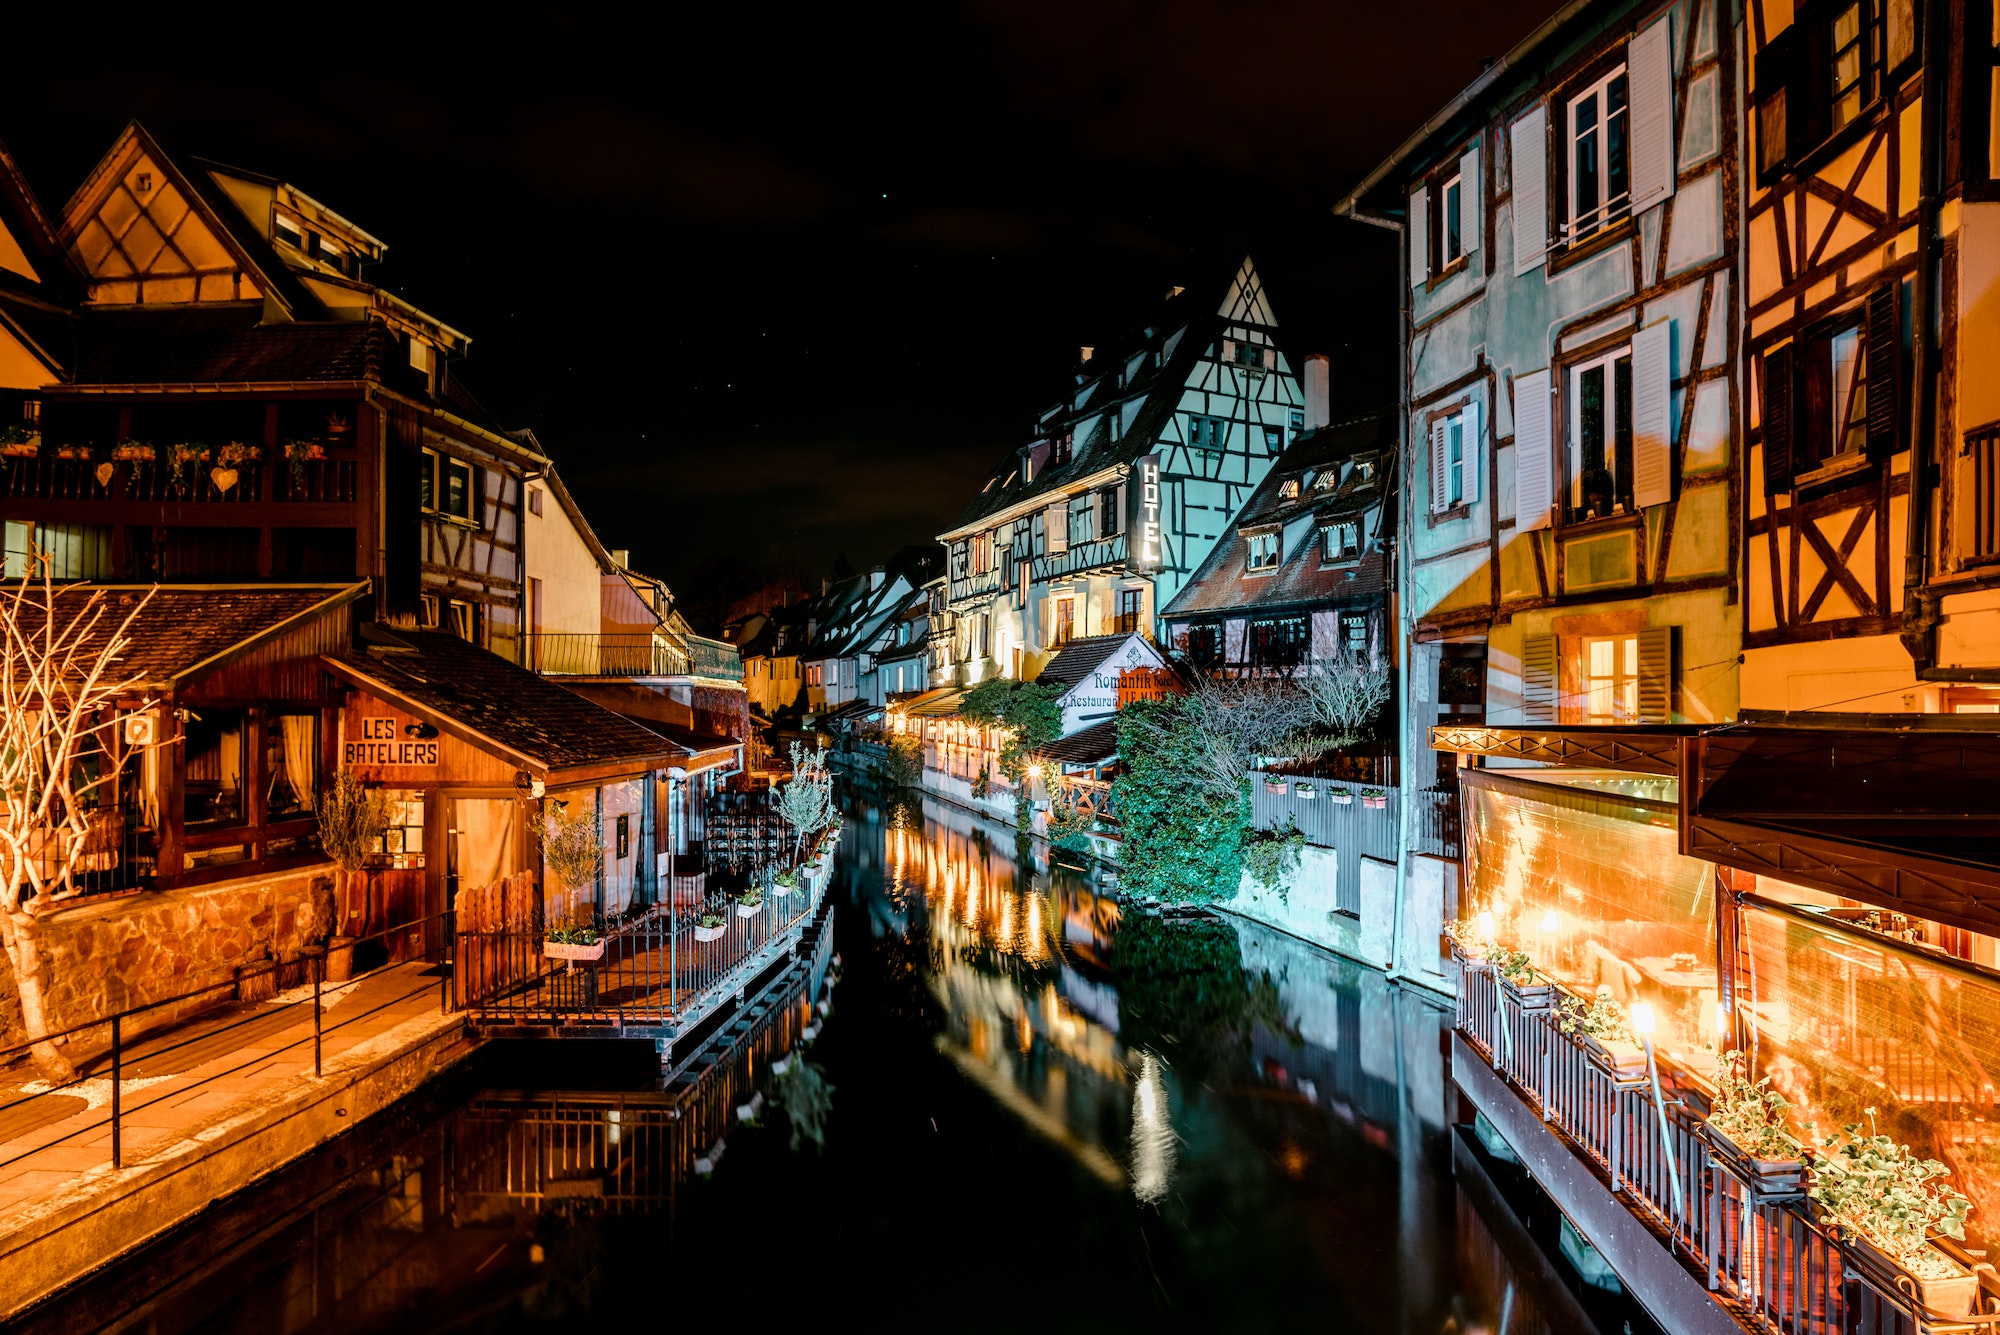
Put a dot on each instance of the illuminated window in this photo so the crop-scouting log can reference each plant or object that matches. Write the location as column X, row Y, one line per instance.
column 1343, row 540
column 1289, row 489
column 1064, row 620
column 1611, row 679
column 1263, row 552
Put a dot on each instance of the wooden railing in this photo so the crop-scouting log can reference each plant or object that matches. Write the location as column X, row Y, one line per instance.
column 1083, row 796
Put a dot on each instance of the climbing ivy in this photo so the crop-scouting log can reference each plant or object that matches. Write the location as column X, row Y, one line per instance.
column 1031, row 718
column 1183, row 841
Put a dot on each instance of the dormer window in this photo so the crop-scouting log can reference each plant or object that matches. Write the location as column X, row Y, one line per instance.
column 1328, row 478
column 1263, row 554
column 1289, row 489
column 286, row 231
column 1343, row 540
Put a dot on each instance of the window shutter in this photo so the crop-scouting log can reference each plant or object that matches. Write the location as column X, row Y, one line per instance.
column 1528, row 152
column 1534, row 455
column 1653, row 414
column 1420, row 238
column 1440, row 468
column 1778, row 419
column 1470, row 214
column 1472, row 469
column 1885, row 357
column 1538, row 679
column 1650, row 58
column 1656, row 675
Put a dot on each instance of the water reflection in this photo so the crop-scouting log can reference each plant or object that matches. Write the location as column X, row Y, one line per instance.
column 1209, row 1125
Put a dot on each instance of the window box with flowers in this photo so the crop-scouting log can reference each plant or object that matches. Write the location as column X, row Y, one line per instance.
column 229, row 461
column 184, row 463
column 299, row 455
column 18, row 442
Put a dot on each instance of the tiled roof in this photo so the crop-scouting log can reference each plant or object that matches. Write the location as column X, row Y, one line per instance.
column 227, row 344
column 1079, row 658
column 442, row 675
column 1224, row 584
column 181, row 627
column 1090, row 746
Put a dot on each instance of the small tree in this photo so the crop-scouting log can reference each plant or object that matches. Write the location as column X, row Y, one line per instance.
column 573, row 850
column 1030, row 716
column 60, row 706
column 806, row 802
column 1346, row 696
column 352, row 817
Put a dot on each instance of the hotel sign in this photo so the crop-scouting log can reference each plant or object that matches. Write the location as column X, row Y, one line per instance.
column 1143, row 509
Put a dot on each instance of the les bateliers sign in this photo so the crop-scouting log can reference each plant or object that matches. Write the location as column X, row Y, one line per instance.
column 382, row 743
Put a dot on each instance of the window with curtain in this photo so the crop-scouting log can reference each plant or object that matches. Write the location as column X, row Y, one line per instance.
column 212, row 786
column 291, row 767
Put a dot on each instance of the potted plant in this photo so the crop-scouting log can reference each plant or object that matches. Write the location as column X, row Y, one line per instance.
column 1600, row 1026
column 299, row 453
column 1275, row 787
column 1745, row 1132
column 1887, row 1205
column 1518, row 979
column 185, row 460
column 573, row 942
column 227, row 460
column 1341, row 795
column 1306, row 789
column 785, row 882
column 133, row 452
column 710, row 927
column 352, row 818
column 573, row 850
column 751, row 903
column 17, row 442
column 1374, row 797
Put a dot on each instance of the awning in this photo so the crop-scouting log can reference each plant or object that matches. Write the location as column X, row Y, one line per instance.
column 1095, row 745
column 940, row 703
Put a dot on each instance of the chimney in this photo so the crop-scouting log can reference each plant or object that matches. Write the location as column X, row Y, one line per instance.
column 1318, row 372
column 875, row 577
column 1085, row 353
column 621, row 557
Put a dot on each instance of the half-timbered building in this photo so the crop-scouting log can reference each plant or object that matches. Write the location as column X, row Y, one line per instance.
column 238, row 400
column 1126, row 485
column 1569, row 244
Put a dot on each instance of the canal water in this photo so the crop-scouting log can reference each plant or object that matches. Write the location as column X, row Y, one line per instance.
column 1021, row 1108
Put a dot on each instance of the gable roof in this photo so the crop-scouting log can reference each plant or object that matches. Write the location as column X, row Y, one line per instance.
column 1187, row 320
column 227, row 343
column 1364, row 449
column 497, row 706
column 1075, row 661
column 122, row 227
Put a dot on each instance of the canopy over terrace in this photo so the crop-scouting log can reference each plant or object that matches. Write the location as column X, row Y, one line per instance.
column 470, row 747
column 1824, row 896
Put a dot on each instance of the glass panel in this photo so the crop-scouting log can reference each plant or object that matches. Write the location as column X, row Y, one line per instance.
column 1844, row 1024
column 212, row 785
column 1599, row 902
column 1595, row 478
column 1584, row 178
column 1617, row 169
column 1451, row 237
column 1850, row 392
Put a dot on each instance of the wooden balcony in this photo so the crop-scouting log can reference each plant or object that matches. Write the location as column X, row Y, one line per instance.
column 1081, row 557
column 49, row 478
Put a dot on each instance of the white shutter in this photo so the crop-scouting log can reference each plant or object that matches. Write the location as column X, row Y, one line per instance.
column 1420, row 239
column 1534, row 459
column 1650, row 61
column 1440, row 467
column 1528, row 154
column 1470, row 214
column 1653, row 414
column 1470, row 470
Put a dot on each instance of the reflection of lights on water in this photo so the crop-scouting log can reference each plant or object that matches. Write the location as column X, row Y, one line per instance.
column 1153, row 1143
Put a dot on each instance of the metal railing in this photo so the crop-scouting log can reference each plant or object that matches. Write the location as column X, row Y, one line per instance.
column 121, row 1046
column 1764, row 1256
column 589, row 654
column 663, row 967
column 1437, row 821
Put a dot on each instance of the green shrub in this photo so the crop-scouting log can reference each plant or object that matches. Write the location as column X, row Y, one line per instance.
column 1182, row 840
column 1271, row 856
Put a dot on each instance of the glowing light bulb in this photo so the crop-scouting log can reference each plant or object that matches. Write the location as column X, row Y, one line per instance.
column 1485, row 921
column 1720, row 1018
column 1551, row 922
column 1643, row 1023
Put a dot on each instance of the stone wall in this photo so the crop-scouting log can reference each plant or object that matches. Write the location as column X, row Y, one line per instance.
column 111, row 955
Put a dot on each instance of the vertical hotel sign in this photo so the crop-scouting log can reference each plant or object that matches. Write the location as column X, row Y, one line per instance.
column 1142, row 516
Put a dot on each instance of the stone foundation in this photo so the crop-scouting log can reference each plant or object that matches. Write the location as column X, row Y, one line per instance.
column 111, row 955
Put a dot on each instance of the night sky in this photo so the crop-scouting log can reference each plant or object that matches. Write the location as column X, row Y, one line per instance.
column 778, row 287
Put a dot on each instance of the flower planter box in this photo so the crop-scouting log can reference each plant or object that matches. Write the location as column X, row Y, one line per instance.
column 1950, row 1297
column 1533, row 999
column 555, row 950
column 781, row 890
column 709, row 933
column 1344, row 799
column 1306, row 792
column 1377, row 802
column 748, row 910
column 1625, row 1063
column 1769, row 1180
column 1273, row 788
